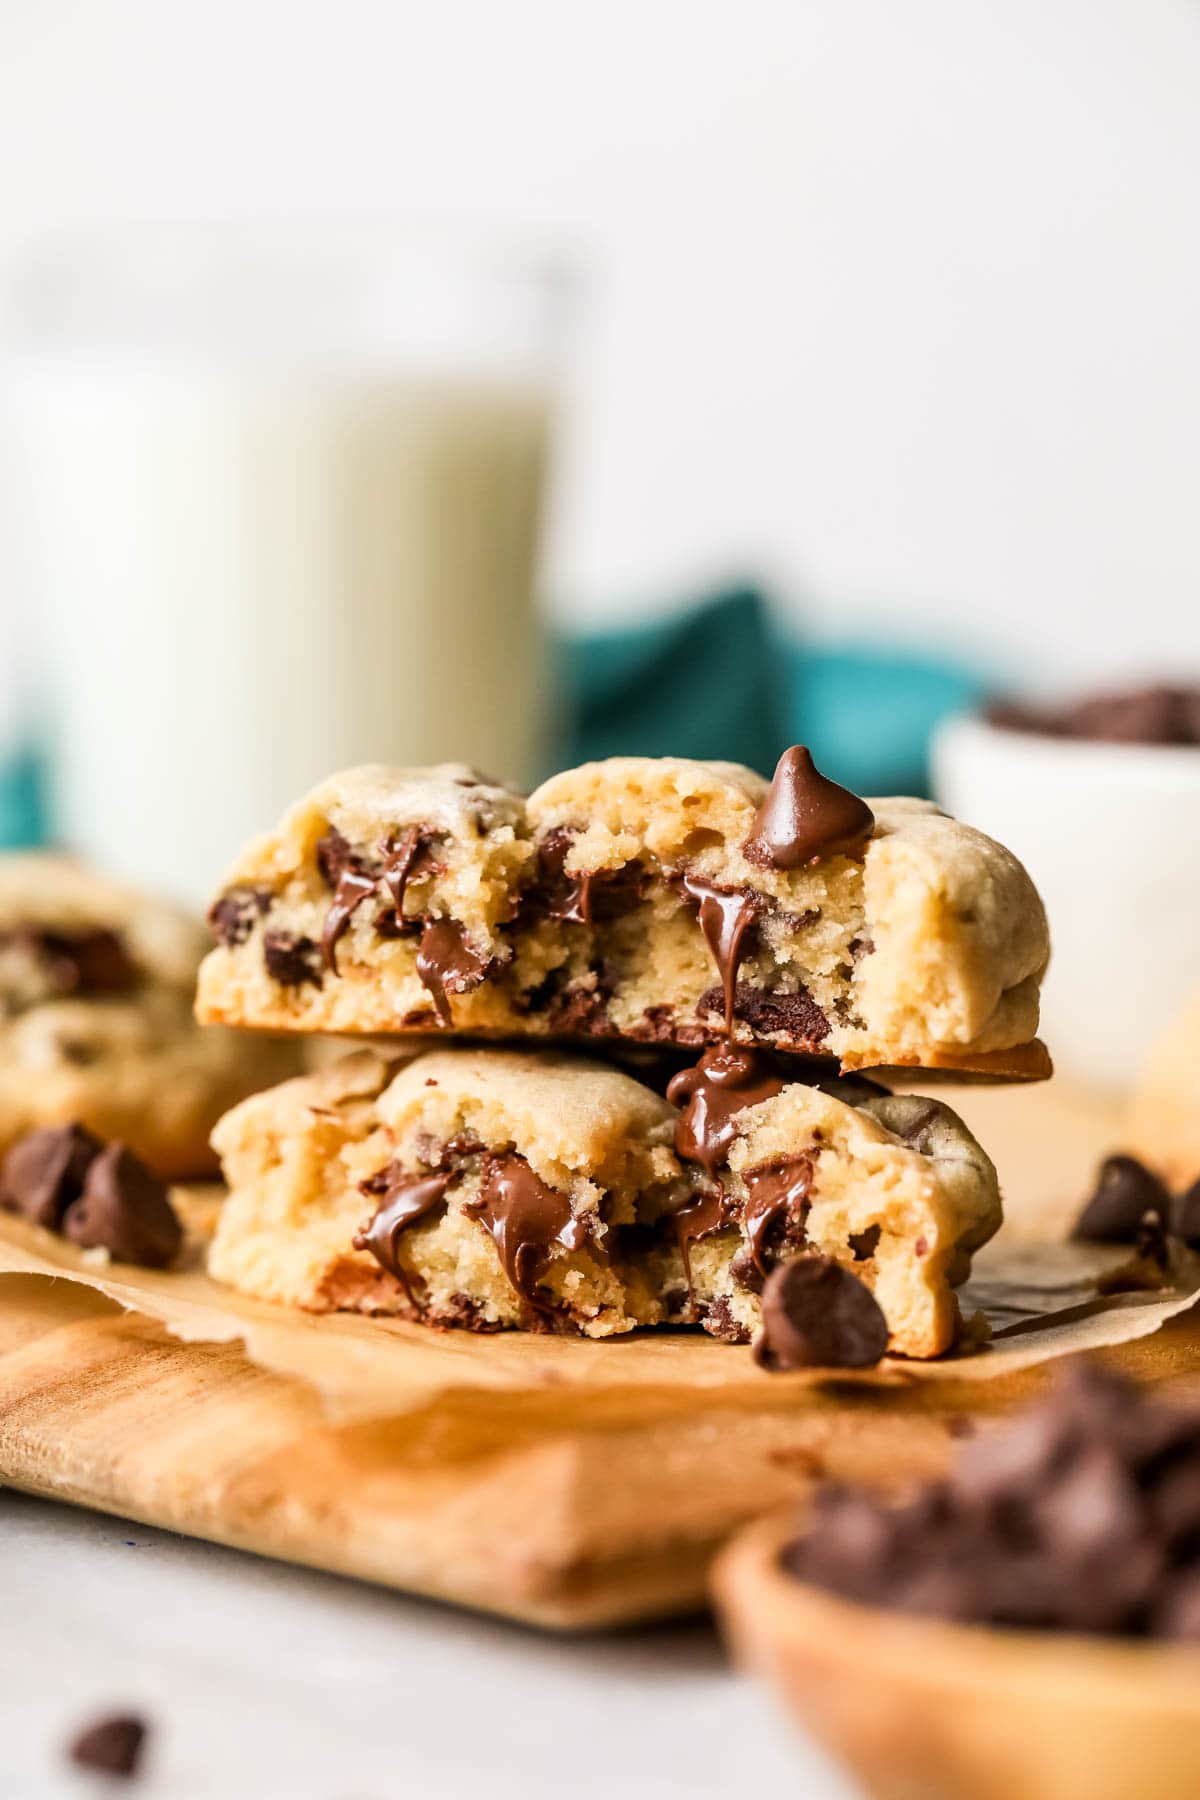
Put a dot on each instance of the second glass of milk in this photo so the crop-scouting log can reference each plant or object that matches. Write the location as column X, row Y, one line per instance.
column 282, row 507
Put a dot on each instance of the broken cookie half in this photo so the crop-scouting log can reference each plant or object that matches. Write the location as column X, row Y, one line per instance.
column 648, row 899
column 495, row 1188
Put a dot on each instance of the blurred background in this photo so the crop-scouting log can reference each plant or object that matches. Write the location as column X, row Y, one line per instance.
column 812, row 370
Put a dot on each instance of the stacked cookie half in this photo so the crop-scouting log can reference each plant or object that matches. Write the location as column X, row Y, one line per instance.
column 688, row 969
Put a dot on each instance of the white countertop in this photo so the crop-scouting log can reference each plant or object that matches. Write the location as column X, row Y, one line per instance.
column 266, row 1681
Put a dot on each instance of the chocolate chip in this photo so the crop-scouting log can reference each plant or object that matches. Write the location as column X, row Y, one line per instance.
column 111, row 1746
column 44, row 1172
column 1148, row 715
column 815, row 1314
column 863, row 1244
column 78, row 962
column 334, row 856
column 291, row 960
column 448, row 963
column 1125, row 1191
column 231, row 916
column 352, row 889
column 806, row 817
column 526, row 1220
column 1184, row 1216
column 124, row 1208
column 796, row 1018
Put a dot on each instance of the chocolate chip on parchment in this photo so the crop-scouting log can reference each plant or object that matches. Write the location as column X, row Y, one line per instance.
column 815, row 1314
column 125, row 1209
column 1126, row 1190
column 44, row 1172
column 291, row 960
column 111, row 1746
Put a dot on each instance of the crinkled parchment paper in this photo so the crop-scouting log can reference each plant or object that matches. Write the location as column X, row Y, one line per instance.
column 1039, row 1303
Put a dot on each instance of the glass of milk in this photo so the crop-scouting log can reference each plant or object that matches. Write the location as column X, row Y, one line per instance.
column 281, row 498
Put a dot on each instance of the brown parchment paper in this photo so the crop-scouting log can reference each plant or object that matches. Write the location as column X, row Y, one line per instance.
column 1038, row 1303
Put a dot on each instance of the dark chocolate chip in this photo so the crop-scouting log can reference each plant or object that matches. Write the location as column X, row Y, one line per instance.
column 44, row 1172
column 447, row 964
column 406, row 1200
column 335, row 855
column 78, row 962
column 1125, row 1191
column 863, row 1244
column 1184, row 1216
column 125, row 1209
column 526, row 1219
column 352, row 889
column 727, row 1080
column 1080, row 1514
column 291, row 960
column 1148, row 715
column 815, row 1314
column 232, row 915
column 796, row 1018
column 111, row 1746
column 806, row 817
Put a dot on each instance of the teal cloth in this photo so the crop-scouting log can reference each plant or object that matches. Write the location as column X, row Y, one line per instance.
column 22, row 801
column 726, row 679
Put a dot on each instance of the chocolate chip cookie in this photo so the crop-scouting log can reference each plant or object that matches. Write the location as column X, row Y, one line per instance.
column 497, row 1188
column 646, row 899
column 96, row 1025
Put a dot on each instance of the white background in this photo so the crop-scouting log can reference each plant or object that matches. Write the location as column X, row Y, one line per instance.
column 895, row 304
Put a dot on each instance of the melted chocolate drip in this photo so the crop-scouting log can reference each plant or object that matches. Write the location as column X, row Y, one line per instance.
column 589, row 898
column 447, row 964
column 724, row 920
column 702, row 1214
column 334, row 856
column 399, row 856
column 406, row 1200
column 526, row 1219
column 806, row 817
column 776, row 1198
column 352, row 889
column 726, row 1080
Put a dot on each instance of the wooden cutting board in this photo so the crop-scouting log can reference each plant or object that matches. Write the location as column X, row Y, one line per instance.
column 555, row 1508
column 556, row 1505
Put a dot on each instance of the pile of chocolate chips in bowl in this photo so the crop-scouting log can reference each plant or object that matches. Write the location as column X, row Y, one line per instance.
column 1148, row 715
column 1082, row 1515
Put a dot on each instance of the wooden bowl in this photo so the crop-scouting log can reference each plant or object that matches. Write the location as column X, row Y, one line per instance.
column 920, row 1709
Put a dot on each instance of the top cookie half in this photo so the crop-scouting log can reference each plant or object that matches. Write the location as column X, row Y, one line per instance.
column 653, row 899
